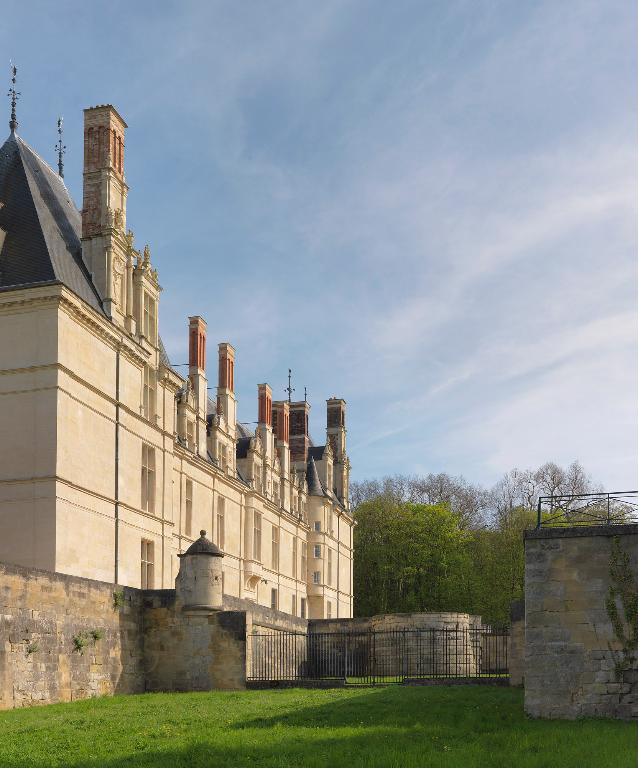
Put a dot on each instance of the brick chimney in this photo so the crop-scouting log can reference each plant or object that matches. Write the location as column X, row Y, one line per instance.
column 336, row 426
column 299, row 437
column 265, row 404
column 104, row 247
column 196, row 344
column 281, row 421
column 226, row 385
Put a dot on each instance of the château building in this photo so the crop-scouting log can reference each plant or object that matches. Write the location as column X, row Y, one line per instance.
column 111, row 460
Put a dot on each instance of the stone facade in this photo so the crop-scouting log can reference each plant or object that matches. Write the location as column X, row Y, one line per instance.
column 571, row 648
column 111, row 443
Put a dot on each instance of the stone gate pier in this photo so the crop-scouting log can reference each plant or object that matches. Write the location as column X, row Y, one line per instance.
column 579, row 583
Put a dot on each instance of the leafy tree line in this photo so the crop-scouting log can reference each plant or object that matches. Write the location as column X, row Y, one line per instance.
column 438, row 542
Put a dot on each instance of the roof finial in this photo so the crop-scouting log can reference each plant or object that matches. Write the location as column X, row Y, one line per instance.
column 60, row 148
column 15, row 95
column 289, row 389
column 305, row 395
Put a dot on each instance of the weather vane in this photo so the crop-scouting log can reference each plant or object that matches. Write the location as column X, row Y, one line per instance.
column 289, row 389
column 60, row 148
column 305, row 395
column 15, row 95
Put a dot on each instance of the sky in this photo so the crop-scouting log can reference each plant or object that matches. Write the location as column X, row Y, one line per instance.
column 426, row 208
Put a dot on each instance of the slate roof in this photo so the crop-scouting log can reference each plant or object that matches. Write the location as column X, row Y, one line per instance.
column 203, row 546
column 312, row 478
column 316, row 452
column 40, row 241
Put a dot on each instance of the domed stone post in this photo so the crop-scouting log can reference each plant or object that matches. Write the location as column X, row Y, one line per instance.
column 198, row 584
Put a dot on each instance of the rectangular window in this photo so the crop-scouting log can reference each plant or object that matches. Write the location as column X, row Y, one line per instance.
column 295, row 545
column 148, row 478
column 273, row 598
column 293, row 605
column 318, row 525
column 316, row 550
column 221, row 522
column 149, row 403
column 304, row 560
column 302, row 612
column 275, row 548
column 316, row 577
column 190, row 434
column 148, row 576
column 150, row 318
column 257, row 537
column 328, row 609
column 188, row 518
column 329, row 580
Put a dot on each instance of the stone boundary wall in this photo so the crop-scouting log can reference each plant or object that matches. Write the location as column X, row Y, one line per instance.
column 516, row 649
column 571, row 650
column 397, row 621
column 42, row 617
column 261, row 619
column 192, row 650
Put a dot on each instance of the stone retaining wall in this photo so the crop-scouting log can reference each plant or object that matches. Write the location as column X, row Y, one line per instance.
column 192, row 650
column 571, row 650
column 63, row 638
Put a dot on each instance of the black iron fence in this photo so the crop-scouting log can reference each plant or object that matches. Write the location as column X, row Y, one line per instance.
column 379, row 657
column 618, row 508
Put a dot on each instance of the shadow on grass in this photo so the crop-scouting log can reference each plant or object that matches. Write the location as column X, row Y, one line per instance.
column 406, row 707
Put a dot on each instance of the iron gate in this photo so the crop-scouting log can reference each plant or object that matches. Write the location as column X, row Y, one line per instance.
column 380, row 657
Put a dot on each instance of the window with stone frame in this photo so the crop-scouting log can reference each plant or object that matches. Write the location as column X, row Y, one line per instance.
column 329, row 574
column 304, row 560
column 295, row 545
column 148, row 564
column 274, row 559
column 148, row 478
column 257, row 537
column 149, row 393
column 316, row 577
column 316, row 550
column 328, row 609
column 274, row 599
column 188, row 508
column 190, row 434
column 149, row 326
column 221, row 522
column 302, row 608
column 293, row 605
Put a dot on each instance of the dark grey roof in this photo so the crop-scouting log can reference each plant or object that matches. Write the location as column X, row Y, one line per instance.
column 316, row 452
column 41, row 225
column 243, row 444
column 203, row 547
column 312, row 478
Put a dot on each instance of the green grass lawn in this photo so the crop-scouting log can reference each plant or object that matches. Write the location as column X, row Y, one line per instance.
column 397, row 726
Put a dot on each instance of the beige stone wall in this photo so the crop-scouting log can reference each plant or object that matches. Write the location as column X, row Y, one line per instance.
column 516, row 650
column 570, row 646
column 192, row 651
column 40, row 615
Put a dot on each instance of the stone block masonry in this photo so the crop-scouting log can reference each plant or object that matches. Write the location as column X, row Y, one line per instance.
column 62, row 638
column 572, row 652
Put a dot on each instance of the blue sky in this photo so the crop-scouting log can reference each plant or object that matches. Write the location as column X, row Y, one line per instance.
column 428, row 208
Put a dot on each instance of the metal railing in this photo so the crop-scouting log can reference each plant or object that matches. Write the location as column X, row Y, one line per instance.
column 379, row 657
column 617, row 508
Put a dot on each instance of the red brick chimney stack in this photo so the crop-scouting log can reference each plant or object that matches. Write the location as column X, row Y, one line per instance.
column 265, row 405
column 197, row 343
